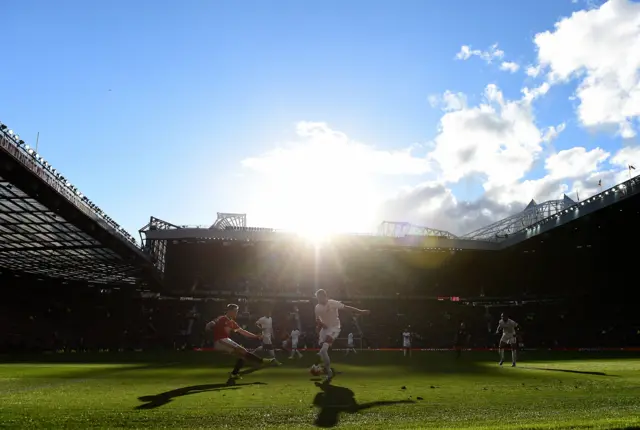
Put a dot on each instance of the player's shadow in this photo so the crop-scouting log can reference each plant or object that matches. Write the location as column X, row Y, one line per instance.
column 334, row 400
column 580, row 372
column 155, row 401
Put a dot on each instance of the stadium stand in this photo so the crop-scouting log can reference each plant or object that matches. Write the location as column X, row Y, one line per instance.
column 563, row 269
column 49, row 228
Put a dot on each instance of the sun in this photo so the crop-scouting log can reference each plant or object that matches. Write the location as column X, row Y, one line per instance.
column 320, row 203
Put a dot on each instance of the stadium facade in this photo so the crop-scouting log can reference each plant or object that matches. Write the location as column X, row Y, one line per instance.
column 50, row 229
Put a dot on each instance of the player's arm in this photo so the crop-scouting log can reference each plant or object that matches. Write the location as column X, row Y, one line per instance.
column 498, row 329
column 247, row 334
column 356, row 310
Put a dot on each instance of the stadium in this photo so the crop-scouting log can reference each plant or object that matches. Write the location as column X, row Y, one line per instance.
column 101, row 330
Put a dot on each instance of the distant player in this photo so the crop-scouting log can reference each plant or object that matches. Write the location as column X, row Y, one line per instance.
column 462, row 338
column 328, row 323
column 509, row 338
column 266, row 325
column 222, row 327
column 295, row 337
column 350, row 346
column 406, row 342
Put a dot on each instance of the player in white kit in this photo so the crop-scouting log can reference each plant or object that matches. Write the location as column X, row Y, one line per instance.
column 350, row 347
column 295, row 336
column 328, row 323
column 266, row 325
column 509, row 338
column 406, row 342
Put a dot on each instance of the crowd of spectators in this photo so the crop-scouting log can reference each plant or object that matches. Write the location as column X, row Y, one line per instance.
column 41, row 318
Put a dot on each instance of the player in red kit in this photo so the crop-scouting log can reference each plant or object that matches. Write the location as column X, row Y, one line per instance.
column 222, row 327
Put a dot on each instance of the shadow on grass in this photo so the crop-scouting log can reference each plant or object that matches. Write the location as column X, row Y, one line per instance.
column 162, row 399
column 334, row 400
column 580, row 372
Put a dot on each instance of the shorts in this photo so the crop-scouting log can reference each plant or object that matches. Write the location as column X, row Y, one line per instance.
column 266, row 339
column 294, row 345
column 350, row 345
column 509, row 339
column 328, row 332
column 406, row 345
column 226, row 345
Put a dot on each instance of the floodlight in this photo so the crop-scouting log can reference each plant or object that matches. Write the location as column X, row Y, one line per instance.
column 3, row 127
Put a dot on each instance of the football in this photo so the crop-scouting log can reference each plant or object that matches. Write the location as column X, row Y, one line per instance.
column 316, row 370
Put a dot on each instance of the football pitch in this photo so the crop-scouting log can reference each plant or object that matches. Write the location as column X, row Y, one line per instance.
column 372, row 390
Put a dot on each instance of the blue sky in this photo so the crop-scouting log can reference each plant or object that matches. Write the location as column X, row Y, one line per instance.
column 174, row 109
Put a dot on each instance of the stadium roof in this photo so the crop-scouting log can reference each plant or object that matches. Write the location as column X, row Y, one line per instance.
column 49, row 229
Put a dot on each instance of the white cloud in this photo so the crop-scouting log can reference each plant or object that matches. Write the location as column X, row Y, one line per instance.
column 552, row 133
column 321, row 148
column 601, row 48
column 533, row 71
column 488, row 56
column 575, row 162
column 531, row 94
column 449, row 101
column 509, row 66
column 324, row 180
column 627, row 156
column 497, row 139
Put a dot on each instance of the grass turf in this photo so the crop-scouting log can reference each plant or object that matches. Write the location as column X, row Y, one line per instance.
column 374, row 390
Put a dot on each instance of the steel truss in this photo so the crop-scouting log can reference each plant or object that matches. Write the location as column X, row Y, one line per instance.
column 156, row 249
column 229, row 220
column 402, row 229
column 36, row 240
column 532, row 214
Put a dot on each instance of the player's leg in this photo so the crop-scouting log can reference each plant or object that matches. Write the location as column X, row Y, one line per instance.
column 326, row 340
column 514, row 351
column 230, row 347
column 501, row 351
column 267, row 345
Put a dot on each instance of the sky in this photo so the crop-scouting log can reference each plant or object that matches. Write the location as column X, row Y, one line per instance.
column 324, row 115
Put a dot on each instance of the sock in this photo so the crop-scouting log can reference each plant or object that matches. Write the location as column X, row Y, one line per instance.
column 501, row 354
column 324, row 354
column 272, row 353
column 253, row 358
column 258, row 349
column 514, row 355
column 238, row 366
column 405, row 352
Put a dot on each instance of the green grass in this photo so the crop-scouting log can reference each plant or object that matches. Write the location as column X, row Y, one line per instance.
column 188, row 390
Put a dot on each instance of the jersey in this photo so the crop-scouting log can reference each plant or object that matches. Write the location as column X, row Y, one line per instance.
column 508, row 327
column 406, row 338
column 220, row 325
column 328, row 314
column 295, row 335
column 266, row 324
column 350, row 339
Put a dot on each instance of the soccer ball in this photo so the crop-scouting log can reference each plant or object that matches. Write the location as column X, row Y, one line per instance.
column 316, row 370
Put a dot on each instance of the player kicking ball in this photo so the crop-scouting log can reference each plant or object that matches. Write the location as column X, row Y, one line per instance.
column 222, row 327
column 328, row 322
column 509, row 338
